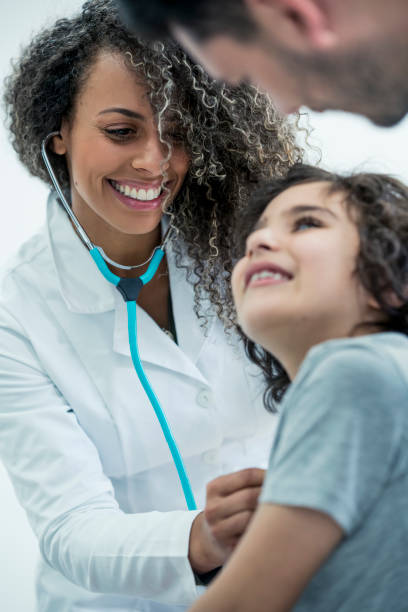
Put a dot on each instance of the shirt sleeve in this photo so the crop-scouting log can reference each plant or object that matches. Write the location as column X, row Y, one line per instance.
column 58, row 478
column 339, row 434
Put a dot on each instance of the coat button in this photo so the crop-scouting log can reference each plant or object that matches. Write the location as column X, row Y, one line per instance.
column 211, row 457
column 204, row 398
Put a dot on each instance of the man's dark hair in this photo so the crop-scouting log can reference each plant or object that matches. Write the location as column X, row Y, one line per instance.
column 379, row 205
column 152, row 19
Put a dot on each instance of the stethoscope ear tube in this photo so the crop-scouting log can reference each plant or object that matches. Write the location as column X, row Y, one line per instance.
column 82, row 234
column 175, row 453
column 129, row 288
column 134, row 352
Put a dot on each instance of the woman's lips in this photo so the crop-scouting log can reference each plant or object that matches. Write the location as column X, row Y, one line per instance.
column 134, row 204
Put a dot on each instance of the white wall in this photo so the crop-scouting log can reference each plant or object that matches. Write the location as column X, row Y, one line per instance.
column 347, row 143
column 21, row 210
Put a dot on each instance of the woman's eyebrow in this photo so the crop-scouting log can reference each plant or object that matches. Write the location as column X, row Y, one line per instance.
column 302, row 208
column 123, row 111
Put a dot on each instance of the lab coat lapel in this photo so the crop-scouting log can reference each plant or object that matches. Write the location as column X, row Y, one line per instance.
column 192, row 337
column 85, row 291
column 154, row 345
column 82, row 286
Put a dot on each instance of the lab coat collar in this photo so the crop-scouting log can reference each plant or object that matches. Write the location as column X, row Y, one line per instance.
column 154, row 345
column 83, row 288
column 157, row 347
column 86, row 291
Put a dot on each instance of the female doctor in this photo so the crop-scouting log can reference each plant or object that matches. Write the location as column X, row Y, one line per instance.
column 130, row 130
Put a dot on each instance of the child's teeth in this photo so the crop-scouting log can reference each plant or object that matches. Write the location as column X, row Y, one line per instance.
column 266, row 274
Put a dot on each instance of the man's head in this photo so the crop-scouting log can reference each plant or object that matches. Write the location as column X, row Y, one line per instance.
column 348, row 54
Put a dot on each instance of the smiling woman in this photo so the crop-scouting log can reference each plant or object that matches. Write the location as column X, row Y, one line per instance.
column 141, row 140
column 121, row 175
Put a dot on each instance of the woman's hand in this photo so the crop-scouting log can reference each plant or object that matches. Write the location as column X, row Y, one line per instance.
column 230, row 503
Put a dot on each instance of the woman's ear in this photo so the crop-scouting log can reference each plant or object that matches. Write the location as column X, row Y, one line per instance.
column 58, row 144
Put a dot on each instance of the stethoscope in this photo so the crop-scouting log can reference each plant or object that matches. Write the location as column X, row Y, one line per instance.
column 129, row 288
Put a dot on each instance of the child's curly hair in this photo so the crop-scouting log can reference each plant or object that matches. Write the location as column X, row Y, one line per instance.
column 233, row 135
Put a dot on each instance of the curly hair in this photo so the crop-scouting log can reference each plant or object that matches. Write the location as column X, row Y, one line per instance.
column 379, row 206
column 234, row 136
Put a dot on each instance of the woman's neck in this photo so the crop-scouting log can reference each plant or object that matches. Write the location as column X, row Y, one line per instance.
column 125, row 249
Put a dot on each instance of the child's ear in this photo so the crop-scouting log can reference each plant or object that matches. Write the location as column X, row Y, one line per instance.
column 373, row 304
column 391, row 298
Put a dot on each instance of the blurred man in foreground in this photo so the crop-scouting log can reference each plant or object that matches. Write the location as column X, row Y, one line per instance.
column 331, row 54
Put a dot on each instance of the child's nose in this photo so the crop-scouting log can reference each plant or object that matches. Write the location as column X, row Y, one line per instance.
column 262, row 240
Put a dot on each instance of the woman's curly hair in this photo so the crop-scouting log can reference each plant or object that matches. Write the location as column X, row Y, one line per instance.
column 379, row 206
column 234, row 136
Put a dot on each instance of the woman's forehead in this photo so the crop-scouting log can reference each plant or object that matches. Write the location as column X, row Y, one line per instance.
column 111, row 81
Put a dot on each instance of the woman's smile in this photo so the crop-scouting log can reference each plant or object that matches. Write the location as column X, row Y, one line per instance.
column 138, row 197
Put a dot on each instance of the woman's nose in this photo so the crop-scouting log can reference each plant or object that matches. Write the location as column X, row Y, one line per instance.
column 151, row 156
column 262, row 240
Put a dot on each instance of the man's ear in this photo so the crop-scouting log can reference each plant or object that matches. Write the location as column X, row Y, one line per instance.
column 306, row 24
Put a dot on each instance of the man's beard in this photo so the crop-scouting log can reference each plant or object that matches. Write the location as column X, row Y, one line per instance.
column 371, row 81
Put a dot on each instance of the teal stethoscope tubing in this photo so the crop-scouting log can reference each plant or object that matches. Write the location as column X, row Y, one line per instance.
column 134, row 351
column 137, row 283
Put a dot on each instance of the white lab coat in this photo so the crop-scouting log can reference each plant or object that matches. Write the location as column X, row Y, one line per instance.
column 81, row 442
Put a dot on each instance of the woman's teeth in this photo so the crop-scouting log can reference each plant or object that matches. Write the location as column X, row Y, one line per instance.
column 137, row 194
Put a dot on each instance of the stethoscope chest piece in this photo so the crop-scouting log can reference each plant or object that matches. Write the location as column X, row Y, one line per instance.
column 129, row 288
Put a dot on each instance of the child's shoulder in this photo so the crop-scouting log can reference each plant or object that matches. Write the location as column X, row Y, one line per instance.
column 362, row 366
column 372, row 350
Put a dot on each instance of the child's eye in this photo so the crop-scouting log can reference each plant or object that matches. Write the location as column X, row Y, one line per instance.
column 306, row 223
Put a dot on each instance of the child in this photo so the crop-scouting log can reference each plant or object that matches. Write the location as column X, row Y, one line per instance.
column 322, row 293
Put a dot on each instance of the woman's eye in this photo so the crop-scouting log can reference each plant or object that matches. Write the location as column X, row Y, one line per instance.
column 306, row 223
column 120, row 133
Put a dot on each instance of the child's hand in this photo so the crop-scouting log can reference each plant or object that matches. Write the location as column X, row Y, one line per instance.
column 231, row 501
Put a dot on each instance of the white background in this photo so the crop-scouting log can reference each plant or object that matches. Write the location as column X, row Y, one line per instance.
column 347, row 143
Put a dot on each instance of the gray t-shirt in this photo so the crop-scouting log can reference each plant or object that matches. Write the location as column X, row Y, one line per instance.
column 341, row 447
